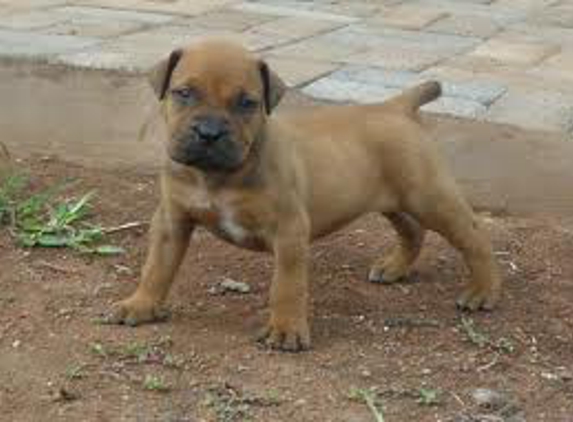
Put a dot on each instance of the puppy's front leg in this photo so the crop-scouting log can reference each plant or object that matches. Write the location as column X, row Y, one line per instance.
column 287, row 328
column 169, row 237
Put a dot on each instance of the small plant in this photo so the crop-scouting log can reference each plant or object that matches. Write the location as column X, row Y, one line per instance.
column 370, row 397
column 230, row 404
column 155, row 352
column 38, row 220
column 74, row 372
column 428, row 397
column 99, row 349
column 155, row 383
column 503, row 345
column 473, row 334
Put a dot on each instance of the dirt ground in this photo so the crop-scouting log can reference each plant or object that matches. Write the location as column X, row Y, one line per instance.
column 404, row 342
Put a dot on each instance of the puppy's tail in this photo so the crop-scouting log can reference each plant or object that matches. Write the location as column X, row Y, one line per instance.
column 414, row 98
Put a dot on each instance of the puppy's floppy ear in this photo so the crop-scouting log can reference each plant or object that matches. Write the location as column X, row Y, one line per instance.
column 160, row 74
column 273, row 87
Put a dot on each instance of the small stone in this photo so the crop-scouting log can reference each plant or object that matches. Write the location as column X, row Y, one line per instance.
column 366, row 373
column 549, row 376
column 230, row 285
column 16, row 344
column 300, row 402
column 489, row 399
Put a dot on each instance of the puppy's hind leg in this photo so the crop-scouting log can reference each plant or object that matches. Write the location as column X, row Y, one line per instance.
column 442, row 208
column 396, row 266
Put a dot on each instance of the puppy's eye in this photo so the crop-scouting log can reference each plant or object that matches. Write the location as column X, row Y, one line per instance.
column 185, row 95
column 246, row 104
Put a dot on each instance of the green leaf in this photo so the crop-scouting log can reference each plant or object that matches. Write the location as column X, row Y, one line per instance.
column 109, row 250
column 52, row 241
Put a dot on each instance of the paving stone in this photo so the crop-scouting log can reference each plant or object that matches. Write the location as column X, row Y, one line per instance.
column 466, row 25
column 180, row 7
column 83, row 21
column 269, row 9
column 358, row 89
column 297, row 72
column 99, row 28
column 397, row 57
column 546, row 110
column 457, row 106
column 140, row 50
column 233, row 20
column 334, row 89
column 513, row 52
column 562, row 37
column 371, row 35
column 354, row 8
column 484, row 92
column 527, row 5
column 318, row 49
column 296, row 27
column 459, row 84
column 516, row 80
column 78, row 12
column 504, row 14
column 558, row 16
column 31, row 19
column 408, row 16
column 558, row 67
column 27, row 44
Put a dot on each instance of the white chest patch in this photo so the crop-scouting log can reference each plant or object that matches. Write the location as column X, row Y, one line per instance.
column 230, row 226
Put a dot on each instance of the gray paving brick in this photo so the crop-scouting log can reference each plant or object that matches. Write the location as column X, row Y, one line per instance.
column 179, row 7
column 31, row 19
column 398, row 57
column 233, row 20
column 26, row 44
column 99, row 13
column 298, row 72
column 504, row 14
column 279, row 10
column 407, row 16
column 466, row 25
column 318, row 48
column 560, row 15
column 513, row 52
column 456, row 106
column 83, row 21
column 98, row 28
column 138, row 51
column 371, row 35
column 546, row 110
column 483, row 92
column 335, row 89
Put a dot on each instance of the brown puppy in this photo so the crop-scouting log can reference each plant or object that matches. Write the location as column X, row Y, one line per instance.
column 276, row 182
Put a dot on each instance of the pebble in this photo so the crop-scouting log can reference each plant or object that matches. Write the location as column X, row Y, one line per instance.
column 489, row 399
column 230, row 285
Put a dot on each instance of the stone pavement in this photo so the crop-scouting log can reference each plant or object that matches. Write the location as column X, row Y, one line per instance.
column 508, row 61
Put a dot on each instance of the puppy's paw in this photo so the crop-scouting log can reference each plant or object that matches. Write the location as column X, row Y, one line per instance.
column 289, row 335
column 390, row 270
column 381, row 275
column 137, row 310
column 474, row 299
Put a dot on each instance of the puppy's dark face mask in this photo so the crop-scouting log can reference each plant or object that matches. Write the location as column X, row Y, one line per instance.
column 216, row 97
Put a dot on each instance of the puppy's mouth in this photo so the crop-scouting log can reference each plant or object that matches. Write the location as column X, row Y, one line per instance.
column 224, row 155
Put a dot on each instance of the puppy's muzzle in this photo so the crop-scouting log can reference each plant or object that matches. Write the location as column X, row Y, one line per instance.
column 209, row 145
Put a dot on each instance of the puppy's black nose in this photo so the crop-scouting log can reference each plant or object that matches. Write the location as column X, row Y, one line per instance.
column 211, row 128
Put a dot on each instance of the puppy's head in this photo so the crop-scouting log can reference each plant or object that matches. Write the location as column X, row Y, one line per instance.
column 216, row 98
